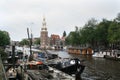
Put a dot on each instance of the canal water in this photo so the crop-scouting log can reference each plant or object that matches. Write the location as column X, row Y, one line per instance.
column 96, row 68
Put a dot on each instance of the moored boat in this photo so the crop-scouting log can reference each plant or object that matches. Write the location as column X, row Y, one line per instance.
column 36, row 70
column 99, row 54
column 112, row 58
column 69, row 66
column 80, row 50
column 113, row 55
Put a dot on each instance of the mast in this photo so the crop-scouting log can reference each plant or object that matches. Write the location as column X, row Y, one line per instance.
column 30, row 44
column 13, row 55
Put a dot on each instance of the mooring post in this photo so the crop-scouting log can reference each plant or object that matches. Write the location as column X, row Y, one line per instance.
column 13, row 56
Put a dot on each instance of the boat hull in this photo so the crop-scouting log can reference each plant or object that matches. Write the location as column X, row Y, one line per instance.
column 112, row 58
column 71, row 66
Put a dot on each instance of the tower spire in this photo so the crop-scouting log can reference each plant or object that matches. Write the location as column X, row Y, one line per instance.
column 44, row 22
column 44, row 28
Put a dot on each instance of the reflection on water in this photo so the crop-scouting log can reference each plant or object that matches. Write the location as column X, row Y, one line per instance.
column 96, row 68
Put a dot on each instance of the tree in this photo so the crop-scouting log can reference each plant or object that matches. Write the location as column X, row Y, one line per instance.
column 64, row 34
column 87, row 33
column 70, row 39
column 3, row 54
column 102, row 33
column 97, row 35
column 118, row 18
column 24, row 42
column 37, row 41
column 114, row 33
column 73, row 38
column 4, row 38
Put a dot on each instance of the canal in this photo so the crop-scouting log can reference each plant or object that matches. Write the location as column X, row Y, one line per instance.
column 96, row 68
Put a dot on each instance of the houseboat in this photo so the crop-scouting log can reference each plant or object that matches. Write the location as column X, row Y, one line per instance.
column 77, row 50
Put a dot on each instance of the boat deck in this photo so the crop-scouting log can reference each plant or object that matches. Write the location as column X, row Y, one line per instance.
column 51, row 74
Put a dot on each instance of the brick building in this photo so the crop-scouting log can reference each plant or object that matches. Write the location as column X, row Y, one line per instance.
column 54, row 40
column 44, row 35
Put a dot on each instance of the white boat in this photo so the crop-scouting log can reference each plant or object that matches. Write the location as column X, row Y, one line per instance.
column 100, row 54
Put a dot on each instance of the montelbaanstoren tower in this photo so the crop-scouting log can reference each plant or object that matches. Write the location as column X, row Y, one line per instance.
column 44, row 35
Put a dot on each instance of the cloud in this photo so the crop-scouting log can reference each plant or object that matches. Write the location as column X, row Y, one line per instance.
column 17, row 15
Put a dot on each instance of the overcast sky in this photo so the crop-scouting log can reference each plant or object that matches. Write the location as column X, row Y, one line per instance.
column 61, row 15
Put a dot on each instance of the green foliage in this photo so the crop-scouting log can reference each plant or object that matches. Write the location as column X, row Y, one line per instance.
column 64, row 34
column 3, row 54
column 87, row 33
column 73, row 37
column 118, row 18
column 37, row 41
column 102, row 32
column 24, row 42
column 95, row 34
column 68, row 39
column 4, row 38
column 114, row 32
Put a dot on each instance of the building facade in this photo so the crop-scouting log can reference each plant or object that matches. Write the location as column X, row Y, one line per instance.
column 44, row 35
column 54, row 40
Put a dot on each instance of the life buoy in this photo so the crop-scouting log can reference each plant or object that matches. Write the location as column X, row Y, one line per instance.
column 39, row 62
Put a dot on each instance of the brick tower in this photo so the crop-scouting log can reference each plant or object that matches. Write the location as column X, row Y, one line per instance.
column 44, row 35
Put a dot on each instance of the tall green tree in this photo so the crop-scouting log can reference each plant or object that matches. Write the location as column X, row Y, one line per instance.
column 118, row 17
column 102, row 33
column 4, row 38
column 73, row 38
column 114, row 33
column 69, row 39
column 87, row 33
column 64, row 34
column 97, row 35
